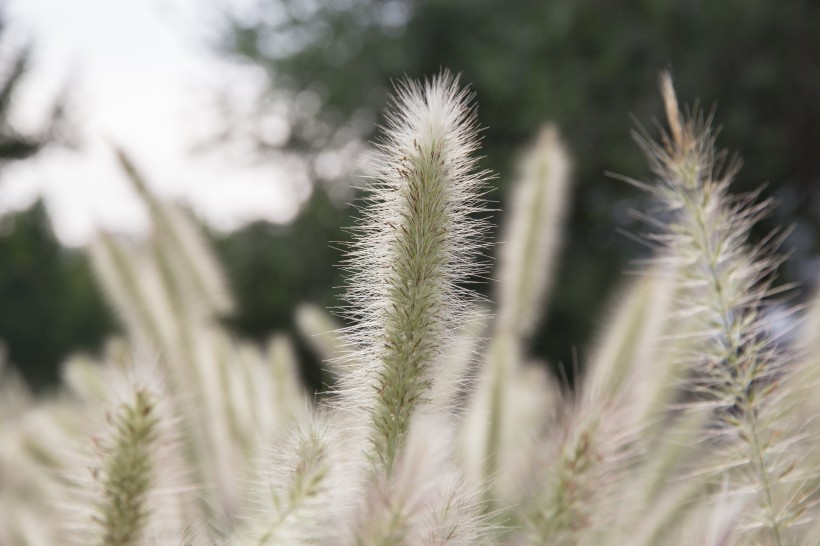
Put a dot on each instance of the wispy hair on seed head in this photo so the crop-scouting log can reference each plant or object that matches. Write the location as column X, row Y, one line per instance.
column 738, row 366
column 415, row 248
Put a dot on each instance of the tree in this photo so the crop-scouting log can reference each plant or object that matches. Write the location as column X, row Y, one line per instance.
column 51, row 305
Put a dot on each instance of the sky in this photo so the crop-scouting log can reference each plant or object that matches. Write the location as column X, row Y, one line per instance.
column 142, row 75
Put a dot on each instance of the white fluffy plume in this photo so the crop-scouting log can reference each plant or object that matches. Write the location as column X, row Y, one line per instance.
column 415, row 247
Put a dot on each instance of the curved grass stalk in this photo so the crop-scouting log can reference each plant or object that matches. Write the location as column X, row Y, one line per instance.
column 183, row 246
column 134, row 290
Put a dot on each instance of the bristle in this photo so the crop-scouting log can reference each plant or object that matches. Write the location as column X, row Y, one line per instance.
column 417, row 246
column 135, row 484
column 297, row 499
column 323, row 334
column 739, row 368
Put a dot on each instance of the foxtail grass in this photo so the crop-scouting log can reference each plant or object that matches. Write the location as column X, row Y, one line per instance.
column 692, row 422
column 416, row 245
column 739, row 370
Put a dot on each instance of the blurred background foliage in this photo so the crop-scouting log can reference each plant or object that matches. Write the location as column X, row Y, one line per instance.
column 588, row 65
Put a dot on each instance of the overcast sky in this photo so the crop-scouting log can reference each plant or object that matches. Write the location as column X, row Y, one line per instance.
column 139, row 73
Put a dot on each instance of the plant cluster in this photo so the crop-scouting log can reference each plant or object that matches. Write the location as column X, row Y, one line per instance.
column 693, row 422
